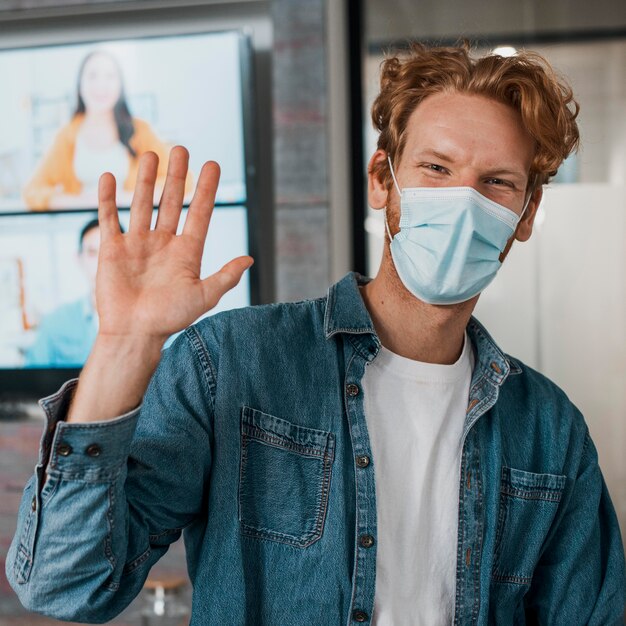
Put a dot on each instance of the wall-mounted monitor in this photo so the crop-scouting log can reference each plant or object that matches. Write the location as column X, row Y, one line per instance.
column 75, row 112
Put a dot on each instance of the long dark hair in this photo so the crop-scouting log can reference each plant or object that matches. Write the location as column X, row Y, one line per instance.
column 123, row 118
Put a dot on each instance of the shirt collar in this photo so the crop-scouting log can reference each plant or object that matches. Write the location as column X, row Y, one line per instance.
column 345, row 309
column 346, row 313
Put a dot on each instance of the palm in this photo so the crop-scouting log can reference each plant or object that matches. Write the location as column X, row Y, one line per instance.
column 149, row 280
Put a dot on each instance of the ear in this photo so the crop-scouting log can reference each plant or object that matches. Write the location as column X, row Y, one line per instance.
column 525, row 227
column 377, row 194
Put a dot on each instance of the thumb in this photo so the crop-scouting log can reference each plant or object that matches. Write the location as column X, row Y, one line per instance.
column 216, row 285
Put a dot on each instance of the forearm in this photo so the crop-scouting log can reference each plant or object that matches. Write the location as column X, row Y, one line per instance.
column 115, row 378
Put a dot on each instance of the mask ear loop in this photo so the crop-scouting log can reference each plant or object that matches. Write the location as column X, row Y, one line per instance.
column 530, row 195
column 399, row 193
column 394, row 176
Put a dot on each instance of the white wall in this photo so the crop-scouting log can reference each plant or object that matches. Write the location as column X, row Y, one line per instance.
column 559, row 304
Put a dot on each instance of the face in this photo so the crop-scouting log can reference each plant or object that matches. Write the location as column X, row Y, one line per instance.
column 459, row 140
column 88, row 258
column 100, row 83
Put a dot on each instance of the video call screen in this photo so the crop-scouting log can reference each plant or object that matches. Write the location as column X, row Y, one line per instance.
column 48, row 266
column 79, row 110
column 75, row 112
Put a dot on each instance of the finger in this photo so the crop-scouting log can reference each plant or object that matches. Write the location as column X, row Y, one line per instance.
column 201, row 207
column 142, row 204
column 174, row 191
column 108, row 219
column 216, row 285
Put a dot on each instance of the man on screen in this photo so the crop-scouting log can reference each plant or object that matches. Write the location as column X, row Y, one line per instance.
column 65, row 336
column 370, row 457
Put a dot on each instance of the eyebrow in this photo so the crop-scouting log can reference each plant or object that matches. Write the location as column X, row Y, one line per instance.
column 497, row 172
column 437, row 155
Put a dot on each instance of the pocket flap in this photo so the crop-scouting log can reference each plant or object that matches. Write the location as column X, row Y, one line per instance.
column 532, row 486
column 279, row 432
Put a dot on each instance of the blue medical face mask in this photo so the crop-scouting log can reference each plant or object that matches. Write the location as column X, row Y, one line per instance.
column 450, row 240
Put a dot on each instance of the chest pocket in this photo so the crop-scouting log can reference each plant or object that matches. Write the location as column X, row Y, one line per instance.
column 528, row 504
column 284, row 479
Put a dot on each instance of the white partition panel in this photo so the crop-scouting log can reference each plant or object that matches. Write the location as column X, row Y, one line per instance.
column 559, row 304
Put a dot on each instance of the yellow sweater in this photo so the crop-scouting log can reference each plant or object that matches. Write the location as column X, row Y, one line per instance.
column 57, row 166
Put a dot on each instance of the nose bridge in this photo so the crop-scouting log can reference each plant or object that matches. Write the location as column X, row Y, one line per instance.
column 468, row 176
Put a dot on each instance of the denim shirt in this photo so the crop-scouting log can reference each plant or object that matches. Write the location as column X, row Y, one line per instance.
column 251, row 441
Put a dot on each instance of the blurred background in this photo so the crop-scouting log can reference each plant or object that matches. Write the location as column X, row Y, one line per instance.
column 296, row 79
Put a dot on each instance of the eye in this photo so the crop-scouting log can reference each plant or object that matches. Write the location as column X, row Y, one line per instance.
column 433, row 167
column 499, row 182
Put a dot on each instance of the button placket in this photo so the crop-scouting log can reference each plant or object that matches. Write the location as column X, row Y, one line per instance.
column 365, row 568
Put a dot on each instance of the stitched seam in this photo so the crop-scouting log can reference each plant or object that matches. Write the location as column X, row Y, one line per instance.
column 356, row 494
column 78, row 476
column 357, row 347
column 201, row 352
column 458, row 609
column 479, row 532
column 502, row 513
column 507, row 578
column 164, row 533
column 253, row 432
column 45, row 498
column 328, row 311
column 24, row 553
column 251, row 416
column 76, row 426
column 108, row 542
column 322, row 505
column 71, row 387
column 554, row 496
column 131, row 566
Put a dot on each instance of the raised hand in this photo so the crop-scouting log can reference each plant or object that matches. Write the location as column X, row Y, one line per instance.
column 148, row 285
column 148, row 282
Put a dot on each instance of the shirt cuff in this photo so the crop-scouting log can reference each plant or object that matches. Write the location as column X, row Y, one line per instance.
column 83, row 450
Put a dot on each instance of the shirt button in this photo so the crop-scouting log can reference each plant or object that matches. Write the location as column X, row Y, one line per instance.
column 359, row 616
column 33, row 504
column 352, row 390
column 362, row 460
column 367, row 541
column 64, row 449
column 93, row 450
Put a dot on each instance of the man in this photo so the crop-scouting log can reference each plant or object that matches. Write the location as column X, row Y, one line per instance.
column 65, row 336
column 370, row 457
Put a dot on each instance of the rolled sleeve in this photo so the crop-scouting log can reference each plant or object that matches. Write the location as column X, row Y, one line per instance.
column 100, row 509
column 92, row 451
column 89, row 447
column 87, row 452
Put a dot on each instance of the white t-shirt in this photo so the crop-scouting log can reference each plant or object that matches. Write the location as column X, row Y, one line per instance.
column 89, row 163
column 415, row 413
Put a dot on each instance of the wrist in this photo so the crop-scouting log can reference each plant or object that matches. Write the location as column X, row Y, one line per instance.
column 115, row 377
column 116, row 346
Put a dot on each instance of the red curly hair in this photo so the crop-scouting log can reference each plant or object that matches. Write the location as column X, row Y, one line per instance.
column 525, row 81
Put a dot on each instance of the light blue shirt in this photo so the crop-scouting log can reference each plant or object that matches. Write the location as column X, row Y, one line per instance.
column 65, row 336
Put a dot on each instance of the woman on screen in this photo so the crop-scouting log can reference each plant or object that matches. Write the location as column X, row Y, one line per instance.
column 101, row 136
